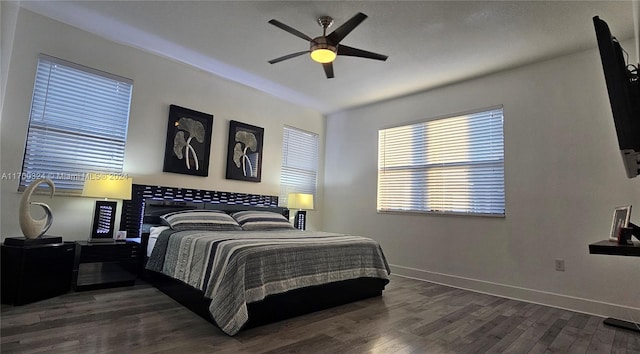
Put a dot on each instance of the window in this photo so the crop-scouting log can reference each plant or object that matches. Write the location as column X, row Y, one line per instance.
column 299, row 163
column 449, row 165
column 77, row 124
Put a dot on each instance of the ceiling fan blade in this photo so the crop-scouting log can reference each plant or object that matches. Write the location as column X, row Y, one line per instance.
column 328, row 70
column 355, row 52
column 291, row 30
column 288, row 56
column 336, row 36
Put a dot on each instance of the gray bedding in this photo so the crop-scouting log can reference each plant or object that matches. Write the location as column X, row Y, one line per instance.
column 234, row 268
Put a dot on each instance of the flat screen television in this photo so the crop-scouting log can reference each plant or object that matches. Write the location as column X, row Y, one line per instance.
column 623, row 86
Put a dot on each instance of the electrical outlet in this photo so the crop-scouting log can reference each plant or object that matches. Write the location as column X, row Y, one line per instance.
column 560, row 265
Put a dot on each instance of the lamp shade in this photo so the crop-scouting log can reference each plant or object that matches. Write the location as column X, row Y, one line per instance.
column 300, row 201
column 107, row 186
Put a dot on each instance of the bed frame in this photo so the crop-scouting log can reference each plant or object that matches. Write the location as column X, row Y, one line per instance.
column 148, row 200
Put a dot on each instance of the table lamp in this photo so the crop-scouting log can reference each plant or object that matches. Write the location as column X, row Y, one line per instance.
column 105, row 186
column 300, row 201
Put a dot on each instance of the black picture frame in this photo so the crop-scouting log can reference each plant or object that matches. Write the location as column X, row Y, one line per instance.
column 104, row 217
column 621, row 217
column 188, row 144
column 244, row 152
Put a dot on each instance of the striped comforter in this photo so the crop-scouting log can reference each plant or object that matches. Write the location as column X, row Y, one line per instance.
column 234, row 268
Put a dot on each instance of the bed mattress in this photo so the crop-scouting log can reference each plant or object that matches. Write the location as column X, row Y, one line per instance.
column 236, row 268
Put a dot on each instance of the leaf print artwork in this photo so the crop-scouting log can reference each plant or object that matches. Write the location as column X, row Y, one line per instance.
column 244, row 152
column 188, row 145
column 194, row 129
column 244, row 141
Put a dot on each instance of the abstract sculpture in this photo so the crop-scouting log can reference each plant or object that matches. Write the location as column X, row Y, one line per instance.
column 31, row 228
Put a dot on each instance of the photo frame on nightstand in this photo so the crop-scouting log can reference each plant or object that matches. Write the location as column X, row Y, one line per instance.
column 120, row 236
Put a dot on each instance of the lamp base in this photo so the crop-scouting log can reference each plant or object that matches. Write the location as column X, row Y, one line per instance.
column 300, row 220
column 104, row 217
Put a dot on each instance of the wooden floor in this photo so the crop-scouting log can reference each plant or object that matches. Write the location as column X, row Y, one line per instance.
column 411, row 317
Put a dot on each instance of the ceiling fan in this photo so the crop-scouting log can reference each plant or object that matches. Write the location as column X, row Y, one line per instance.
column 325, row 48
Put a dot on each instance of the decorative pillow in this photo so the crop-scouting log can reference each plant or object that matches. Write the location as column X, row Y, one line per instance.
column 261, row 220
column 210, row 220
column 152, row 213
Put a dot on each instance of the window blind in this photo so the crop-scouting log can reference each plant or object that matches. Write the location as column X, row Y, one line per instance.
column 299, row 172
column 77, row 124
column 448, row 165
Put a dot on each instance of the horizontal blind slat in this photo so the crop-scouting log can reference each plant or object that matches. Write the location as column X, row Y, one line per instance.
column 453, row 164
column 78, row 124
column 299, row 171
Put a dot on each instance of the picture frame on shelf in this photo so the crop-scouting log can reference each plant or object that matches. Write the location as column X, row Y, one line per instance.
column 188, row 144
column 621, row 217
column 244, row 152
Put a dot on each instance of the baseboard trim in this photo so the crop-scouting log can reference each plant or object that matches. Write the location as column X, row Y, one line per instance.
column 565, row 302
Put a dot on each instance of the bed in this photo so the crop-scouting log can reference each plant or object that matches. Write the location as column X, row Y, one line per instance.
column 243, row 264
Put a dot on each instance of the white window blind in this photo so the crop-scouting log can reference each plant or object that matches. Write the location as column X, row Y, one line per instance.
column 78, row 124
column 299, row 163
column 448, row 165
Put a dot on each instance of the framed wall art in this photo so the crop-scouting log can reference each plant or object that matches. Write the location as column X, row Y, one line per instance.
column 621, row 216
column 244, row 153
column 188, row 142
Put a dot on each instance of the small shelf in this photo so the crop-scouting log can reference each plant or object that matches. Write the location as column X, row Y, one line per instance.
column 614, row 249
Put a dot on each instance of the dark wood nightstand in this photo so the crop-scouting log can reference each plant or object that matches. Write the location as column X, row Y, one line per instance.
column 105, row 264
column 34, row 270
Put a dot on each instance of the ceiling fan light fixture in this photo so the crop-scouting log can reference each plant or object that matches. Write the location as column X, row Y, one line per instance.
column 322, row 51
column 323, row 56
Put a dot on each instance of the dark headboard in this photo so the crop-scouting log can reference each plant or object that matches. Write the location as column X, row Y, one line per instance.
column 172, row 198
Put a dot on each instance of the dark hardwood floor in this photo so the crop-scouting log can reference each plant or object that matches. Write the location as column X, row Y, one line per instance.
column 411, row 317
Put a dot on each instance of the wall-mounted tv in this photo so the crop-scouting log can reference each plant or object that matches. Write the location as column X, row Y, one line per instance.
column 623, row 86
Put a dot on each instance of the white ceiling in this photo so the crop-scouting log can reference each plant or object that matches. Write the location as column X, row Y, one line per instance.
column 429, row 43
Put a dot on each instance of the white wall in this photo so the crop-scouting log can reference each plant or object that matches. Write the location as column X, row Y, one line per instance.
column 158, row 82
column 563, row 178
column 8, row 18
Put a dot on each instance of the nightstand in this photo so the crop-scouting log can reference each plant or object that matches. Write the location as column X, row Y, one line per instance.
column 105, row 265
column 34, row 270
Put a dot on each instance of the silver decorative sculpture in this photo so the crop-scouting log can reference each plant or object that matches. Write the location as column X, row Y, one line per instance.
column 31, row 228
